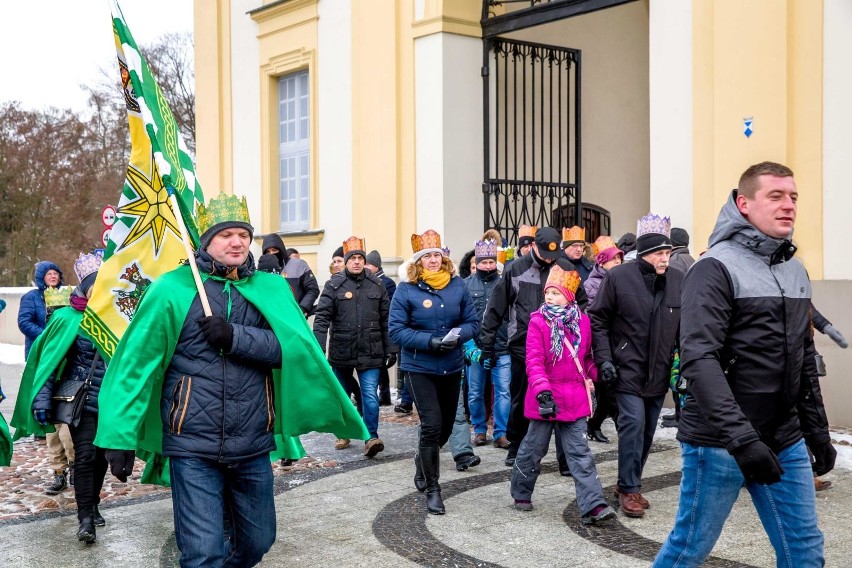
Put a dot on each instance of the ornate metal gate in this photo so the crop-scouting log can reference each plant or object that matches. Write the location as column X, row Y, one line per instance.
column 531, row 108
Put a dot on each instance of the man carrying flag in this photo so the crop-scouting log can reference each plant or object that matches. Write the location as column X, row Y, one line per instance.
column 214, row 374
column 209, row 392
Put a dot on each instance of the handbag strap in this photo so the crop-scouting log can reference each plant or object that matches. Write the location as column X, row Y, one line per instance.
column 576, row 361
column 95, row 360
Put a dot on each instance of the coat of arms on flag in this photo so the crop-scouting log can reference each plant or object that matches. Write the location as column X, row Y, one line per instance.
column 145, row 240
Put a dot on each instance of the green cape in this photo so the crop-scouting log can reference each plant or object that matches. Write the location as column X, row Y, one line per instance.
column 47, row 354
column 5, row 443
column 308, row 396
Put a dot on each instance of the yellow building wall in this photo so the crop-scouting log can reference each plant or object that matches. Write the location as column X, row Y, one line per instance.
column 759, row 59
column 375, row 112
column 213, row 96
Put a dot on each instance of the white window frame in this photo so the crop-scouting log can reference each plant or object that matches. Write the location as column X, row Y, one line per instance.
column 294, row 152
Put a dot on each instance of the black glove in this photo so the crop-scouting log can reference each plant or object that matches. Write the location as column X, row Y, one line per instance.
column 269, row 263
column 120, row 463
column 439, row 344
column 546, row 407
column 218, row 332
column 608, row 372
column 390, row 360
column 824, row 456
column 488, row 360
column 758, row 463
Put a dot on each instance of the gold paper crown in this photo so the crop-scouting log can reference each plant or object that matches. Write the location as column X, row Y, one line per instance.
column 526, row 231
column 505, row 254
column 574, row 234
column 602, row 243
column 56, row 297
column 428, row 240
column 353, row 244
column 568, row 279
column 221, row 209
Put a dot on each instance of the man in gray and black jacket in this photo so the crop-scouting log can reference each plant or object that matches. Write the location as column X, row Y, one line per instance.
column 753, row 404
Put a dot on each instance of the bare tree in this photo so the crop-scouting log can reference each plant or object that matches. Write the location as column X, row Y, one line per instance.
column 59, row 168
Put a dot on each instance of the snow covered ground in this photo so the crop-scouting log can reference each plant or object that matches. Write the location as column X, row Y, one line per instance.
column 11, row 354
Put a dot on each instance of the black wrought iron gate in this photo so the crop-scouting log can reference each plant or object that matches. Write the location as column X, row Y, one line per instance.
column 532, row 135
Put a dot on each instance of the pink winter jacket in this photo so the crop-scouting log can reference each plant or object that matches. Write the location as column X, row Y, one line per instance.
column 562, row 379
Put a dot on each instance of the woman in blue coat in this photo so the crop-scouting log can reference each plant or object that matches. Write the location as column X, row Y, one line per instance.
column 32, row 315
column 424, row 311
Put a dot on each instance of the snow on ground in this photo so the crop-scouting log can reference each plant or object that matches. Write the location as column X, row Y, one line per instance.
column 11, row 354
column 842, row 443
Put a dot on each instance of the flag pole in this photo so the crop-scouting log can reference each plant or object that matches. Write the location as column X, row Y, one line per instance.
column 190, row 254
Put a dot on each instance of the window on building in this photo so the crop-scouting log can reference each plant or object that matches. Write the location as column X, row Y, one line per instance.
column 294, row 172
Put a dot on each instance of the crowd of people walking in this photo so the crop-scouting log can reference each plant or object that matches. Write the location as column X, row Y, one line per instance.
column 548, row 336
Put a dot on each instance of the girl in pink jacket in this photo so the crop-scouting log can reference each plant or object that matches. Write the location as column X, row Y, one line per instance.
column 560, row 370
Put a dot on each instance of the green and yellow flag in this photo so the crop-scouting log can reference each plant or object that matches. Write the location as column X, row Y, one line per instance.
column 145, row 241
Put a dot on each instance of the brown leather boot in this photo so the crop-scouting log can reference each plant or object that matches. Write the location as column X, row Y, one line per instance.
column 631, row 505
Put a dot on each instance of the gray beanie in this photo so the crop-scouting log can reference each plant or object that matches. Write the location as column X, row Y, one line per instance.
column 374, row 258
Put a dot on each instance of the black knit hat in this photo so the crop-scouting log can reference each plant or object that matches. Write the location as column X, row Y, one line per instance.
column 627, row 242
column 338, row 252
column 374, row 258
column 680, row 238
column 269, row 263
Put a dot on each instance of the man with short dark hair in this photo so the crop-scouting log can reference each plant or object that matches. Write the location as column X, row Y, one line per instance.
column 635, row 319
column 748, row 357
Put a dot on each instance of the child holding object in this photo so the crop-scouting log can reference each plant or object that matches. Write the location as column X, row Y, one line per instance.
column 561, row 369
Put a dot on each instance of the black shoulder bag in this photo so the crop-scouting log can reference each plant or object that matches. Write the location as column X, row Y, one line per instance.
column 69, row 396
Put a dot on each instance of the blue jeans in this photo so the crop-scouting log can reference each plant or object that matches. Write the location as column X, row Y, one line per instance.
column 369, row 382
column 203, row 491
column 501, row 376
column 710, row 485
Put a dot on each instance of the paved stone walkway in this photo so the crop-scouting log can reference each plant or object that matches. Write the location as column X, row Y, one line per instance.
column 337, row 508
column 340, row 509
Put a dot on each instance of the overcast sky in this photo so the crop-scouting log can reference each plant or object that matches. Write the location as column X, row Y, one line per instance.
column 48, row 48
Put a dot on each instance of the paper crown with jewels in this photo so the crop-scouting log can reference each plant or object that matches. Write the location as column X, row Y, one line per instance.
column 57, row 297
column 85, row 265
column 430, row 241
column 573, row 234
column 526, row 235
column 220, row 213
column 485, row 249
column 654, row 224
column 504, row 255
column 602, row 243
column 354, row 245
column 604, row 249
column 564, row 280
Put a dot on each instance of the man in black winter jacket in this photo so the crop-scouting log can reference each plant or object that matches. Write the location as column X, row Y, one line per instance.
column 747, row 354
column 635, row 318
column 518, row 293
column 296, row 271
column 352, row 314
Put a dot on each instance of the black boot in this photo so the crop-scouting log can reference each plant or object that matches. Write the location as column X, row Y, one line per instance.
column 97, row 518
column 419, row 478
column 86, row 532
column 432, row 471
